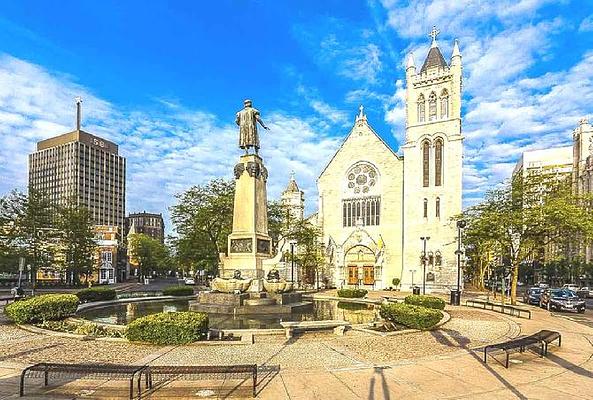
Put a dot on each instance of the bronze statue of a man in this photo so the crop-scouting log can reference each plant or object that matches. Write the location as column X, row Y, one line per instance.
column 247, row 120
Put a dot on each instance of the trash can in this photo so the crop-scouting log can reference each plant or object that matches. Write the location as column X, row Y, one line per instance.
column 455, row 297
column 416, row 290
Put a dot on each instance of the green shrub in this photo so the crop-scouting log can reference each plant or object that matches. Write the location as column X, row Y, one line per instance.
column 99, row 293
column 396, row 282
column 169, row 328
column 425, row 301
column 178, row 291
column 411, row 316
column 47, row 307
column 82, row 328
column 352, row 293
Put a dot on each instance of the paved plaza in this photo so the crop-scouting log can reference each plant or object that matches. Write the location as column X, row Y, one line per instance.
column 445, row 363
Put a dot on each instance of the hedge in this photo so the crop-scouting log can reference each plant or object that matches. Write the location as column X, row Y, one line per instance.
column 411, row 316
column 425, row 301
column 178, row 291
column 99, row 293
column 169, row 328
column 47, row 307
column 352, row 293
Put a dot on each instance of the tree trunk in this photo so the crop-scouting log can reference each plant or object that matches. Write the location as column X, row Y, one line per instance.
column 515, row 279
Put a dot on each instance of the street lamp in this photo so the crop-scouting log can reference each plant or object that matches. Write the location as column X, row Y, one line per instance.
column 292, row 244
column 460, row 225
column 424, row 240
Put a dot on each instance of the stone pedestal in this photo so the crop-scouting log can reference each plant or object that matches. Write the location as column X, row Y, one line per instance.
column 249, row 242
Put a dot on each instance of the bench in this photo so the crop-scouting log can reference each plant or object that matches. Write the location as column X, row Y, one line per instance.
column 86, row 371
column 501, row 308
column 291, row 327
column 7, row 299
column 167, row 373
column 540, row 339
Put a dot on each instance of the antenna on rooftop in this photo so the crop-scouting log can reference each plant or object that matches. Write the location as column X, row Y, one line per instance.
column 78, row 101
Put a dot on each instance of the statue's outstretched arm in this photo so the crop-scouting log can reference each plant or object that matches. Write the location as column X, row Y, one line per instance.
column 237, row 120
column 262, row 123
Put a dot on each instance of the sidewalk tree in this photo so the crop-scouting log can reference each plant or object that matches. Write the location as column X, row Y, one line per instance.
column 309, row 256
column 150, row 254
column 528, row 214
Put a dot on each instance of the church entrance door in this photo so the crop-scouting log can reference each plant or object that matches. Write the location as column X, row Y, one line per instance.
column 352, row 274
column 369, row 275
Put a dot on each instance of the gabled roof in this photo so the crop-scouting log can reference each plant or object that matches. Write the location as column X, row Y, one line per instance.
column 433, row 59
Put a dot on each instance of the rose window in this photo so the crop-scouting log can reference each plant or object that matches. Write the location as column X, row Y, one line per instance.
column 362, row 178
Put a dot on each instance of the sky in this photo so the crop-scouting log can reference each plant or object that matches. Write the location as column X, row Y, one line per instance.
column 164, row 79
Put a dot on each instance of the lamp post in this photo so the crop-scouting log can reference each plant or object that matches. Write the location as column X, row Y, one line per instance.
column 292, row 244
column 456, row 295
column 412, row 271
column 424, row 240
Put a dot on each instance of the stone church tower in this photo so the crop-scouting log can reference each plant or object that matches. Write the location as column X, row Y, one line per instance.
column 432, row 168
column 293, row 202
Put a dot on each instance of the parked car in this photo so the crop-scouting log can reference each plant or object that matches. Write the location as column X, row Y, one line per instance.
column 571, row 286
column 562, row 300
column 190, row 281
column 542, row 285
column 585, row 292
column 532, row 295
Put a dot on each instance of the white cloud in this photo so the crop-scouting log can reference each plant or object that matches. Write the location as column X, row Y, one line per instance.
column 364, row 63
column 586, row 24
column 167, row 151
column 330, row 113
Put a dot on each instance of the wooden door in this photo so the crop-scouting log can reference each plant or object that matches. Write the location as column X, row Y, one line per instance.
column 352, row 274
column 369, row 275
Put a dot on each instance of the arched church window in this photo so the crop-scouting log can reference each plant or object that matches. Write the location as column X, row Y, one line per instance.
column 362, row 203
column 425, row 208
column 430, row 258
column 438, row 207
column 425, row 164
column 438, row 162
column 421, row 108
column 432, row 107
column 438, row 258
column 444, row 104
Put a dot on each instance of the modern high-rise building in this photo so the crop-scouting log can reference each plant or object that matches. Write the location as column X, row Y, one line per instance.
column 84, row 168
column 147, row 223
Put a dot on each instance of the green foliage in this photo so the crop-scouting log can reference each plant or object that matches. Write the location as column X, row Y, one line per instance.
column 396, row 282
column 411, row 316
column 309, row 255
column 169, row 328
column 425, row 301
column 98, row 293
column 352, row 293
column 82, row 328
column 47, row 307
column 178, row 291
column 149, row 253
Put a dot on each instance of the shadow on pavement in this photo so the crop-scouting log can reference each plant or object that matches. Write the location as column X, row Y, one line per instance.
column 384, row 386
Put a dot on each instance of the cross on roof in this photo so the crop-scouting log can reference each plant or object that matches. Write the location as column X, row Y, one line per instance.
column 433, row 34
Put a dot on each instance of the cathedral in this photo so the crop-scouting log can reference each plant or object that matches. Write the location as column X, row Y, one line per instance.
column 385, row 215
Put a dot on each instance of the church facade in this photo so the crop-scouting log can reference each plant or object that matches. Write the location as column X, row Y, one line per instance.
column 378, row 210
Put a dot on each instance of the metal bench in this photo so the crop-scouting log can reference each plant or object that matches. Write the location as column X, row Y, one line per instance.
column 190, row 372
column 520, row 344
column 7, row 299
column 546, row 337
column 86, row 371
column 501, row 308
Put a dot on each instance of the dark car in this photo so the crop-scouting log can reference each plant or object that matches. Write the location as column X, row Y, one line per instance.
column 532, row 295
column 561, row 300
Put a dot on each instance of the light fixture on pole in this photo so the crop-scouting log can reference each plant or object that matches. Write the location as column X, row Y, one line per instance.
column 424, row 259
column 292, row 244
column 460, row 225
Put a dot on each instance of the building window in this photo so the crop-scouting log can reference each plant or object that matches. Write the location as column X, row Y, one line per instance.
column 444, row 104
column 363, row 209
column 425, row 208
column 438, row 207
column 438, row 162
column 438, row 259
column 362, row 179
column 421, row 108
column 432, row 107
column 425, row 164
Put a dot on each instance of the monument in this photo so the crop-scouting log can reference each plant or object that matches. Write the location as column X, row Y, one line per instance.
column 242, row 286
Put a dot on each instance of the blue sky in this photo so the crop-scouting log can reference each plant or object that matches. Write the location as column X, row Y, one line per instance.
column 164, row 80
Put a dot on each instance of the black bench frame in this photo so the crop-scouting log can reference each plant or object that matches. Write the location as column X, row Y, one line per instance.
column 188, row 370
column 542, row 339
column 86, row 370
column 501, row 308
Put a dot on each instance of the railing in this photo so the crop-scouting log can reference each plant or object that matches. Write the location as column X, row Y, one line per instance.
column 500, row 308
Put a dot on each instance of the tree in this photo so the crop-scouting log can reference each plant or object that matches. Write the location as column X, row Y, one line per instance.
column 77, row 242
column 151, row 254
column 28, row 228
column 528, row 215
column 309, row 256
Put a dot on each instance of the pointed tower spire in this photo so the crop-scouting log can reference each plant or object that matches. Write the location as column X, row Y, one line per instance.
column 410, row 63
column 456, row 52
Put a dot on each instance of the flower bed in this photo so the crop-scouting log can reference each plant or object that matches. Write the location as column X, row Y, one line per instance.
column 426, row 301
column 47, row 307
column 99, row 293
column 411, row 316
column 169, row 328
column 352, row 293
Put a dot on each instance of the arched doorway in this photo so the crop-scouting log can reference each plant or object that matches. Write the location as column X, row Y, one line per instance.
column 359, row 262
